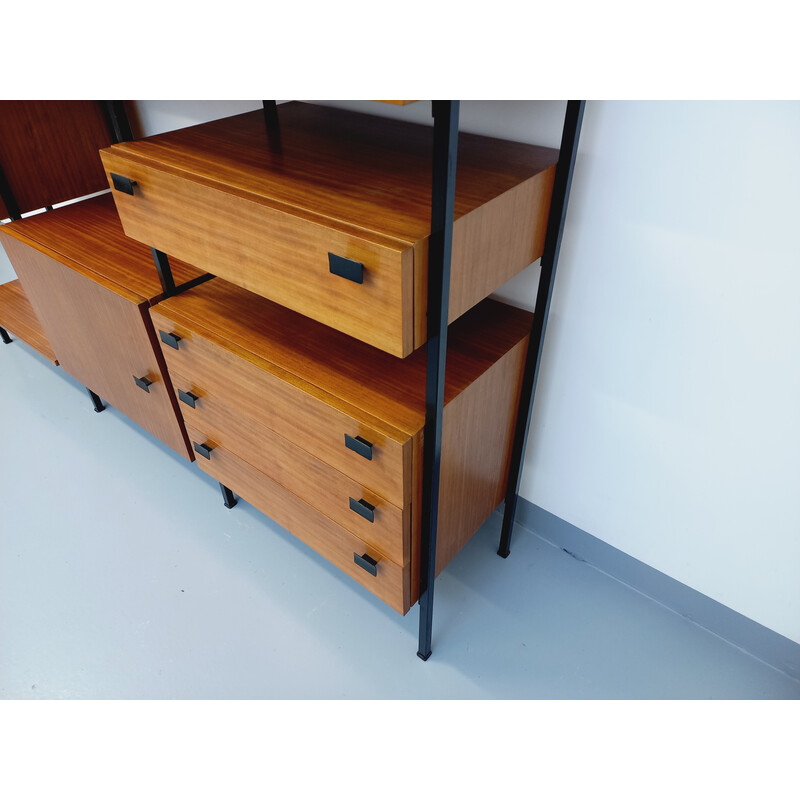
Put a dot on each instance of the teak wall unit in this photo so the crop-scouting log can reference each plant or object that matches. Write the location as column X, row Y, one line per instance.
column 370, row 457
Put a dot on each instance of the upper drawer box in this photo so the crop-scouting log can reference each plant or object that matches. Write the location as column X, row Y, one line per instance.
column 277, row 216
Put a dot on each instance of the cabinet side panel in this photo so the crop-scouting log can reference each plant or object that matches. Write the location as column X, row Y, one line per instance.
column 477, row 434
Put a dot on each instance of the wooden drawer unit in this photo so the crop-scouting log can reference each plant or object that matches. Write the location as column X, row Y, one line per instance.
column 331, row 217
column 275, row 402
column 90, row 287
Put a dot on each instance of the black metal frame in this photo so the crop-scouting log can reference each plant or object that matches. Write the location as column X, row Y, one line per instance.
column 4, row 336
column 228, row 498
column 573, row 119
column 445, row 155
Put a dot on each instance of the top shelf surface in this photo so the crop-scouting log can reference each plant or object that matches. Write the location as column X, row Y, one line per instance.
column 363, row 171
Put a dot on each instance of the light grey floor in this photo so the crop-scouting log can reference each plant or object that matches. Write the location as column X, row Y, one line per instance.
column 123, row 576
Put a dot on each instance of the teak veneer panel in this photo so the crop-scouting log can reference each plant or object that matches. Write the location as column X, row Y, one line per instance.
column 391, row 584
column 359, row 186
column 101, row 339
column 18, row 317
column 88, row 237
column 49, row 150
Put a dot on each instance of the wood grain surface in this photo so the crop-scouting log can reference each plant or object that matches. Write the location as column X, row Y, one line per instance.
column 337, row 368
column 391, row 584
column 18, row 317
column 101, row 339
column 88, row 236
column 352, row 184
column 295, row 409
column 49, row 149
column 320, row 485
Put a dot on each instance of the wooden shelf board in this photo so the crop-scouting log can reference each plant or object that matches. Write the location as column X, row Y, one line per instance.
column 88, row 237
column 18, row 318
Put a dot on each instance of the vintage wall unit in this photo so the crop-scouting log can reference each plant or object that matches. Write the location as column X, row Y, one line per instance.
column 309, row 373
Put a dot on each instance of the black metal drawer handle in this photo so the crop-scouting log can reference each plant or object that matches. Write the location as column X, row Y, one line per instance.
column 359, row 445
column 346, row 268
column 189, row 398
column 170, row 339
column 203, row 449
column 362, row 507
column 143, row 383
column 367, row 563
column 122, row 184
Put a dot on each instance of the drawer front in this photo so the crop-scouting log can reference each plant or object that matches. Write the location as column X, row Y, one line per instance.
column 274, row 252
column 290, row 411
column 103, row 340
column 390, row 582
column 380, row 524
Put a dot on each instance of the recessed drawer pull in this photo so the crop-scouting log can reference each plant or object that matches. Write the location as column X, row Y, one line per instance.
column 171, row 339
column 203, row 449
column 367, row 563
column 346, row 268
column 362, row 507
column 359, row 445
column 122, row 184
column 189, row 398
column 143, row 383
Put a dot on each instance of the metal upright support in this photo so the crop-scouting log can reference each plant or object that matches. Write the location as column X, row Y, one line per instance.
column 7, row 196
column 5, row 337
column 164, row 271
column 552, row 245
column 273, row 125
column 117, row 120
column 96, row 401
column 228, row 498
column 445, row 155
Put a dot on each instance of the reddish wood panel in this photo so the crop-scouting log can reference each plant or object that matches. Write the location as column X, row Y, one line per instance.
column 49, row 149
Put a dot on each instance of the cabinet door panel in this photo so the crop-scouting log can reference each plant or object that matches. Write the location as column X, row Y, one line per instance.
column 103, row 340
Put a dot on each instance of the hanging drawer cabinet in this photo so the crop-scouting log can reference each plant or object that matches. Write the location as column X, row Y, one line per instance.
column 330, row 215
column 90, row 287
column 323, row 433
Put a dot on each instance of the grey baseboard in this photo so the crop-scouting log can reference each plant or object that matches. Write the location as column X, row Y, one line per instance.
column 774, row 649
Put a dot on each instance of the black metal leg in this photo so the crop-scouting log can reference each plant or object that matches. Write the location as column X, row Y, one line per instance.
column 5, row 337
column 164, row 271
column 96, row 401
column 227, row 496
column 552, row 246
column 445, row 154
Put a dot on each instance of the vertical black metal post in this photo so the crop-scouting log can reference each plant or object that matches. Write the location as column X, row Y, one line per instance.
column 552, row 246
column 5, row 337
column 119, row 125
column 273, row 125
column 445, row 156
column 7, row 195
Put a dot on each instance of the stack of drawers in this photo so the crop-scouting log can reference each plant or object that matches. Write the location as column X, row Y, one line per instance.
column 298, row 368
column 324, row 433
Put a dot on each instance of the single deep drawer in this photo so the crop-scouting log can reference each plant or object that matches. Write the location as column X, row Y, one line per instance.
column 332, row 219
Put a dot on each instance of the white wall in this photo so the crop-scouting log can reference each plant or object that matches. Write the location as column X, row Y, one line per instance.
column 667, row 414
